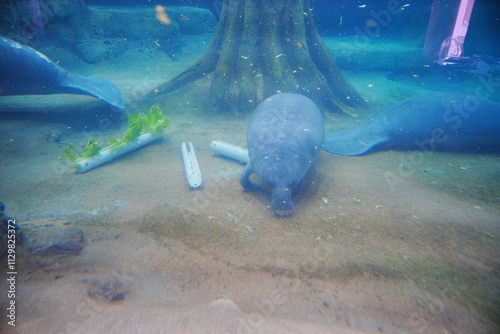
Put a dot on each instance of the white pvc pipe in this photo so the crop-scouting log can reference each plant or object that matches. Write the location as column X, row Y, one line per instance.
column 191, row 166
column 230, row 150
column 111, row 152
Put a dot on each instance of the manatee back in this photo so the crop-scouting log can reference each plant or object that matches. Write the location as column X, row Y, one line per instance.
column 444, row 121
column 285, row 126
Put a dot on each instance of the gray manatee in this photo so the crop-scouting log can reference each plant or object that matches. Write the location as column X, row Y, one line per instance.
column 429, row 122
column 284, row 137
column 25, row 71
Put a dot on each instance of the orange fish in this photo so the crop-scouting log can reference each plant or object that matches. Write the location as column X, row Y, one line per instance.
column 161, row 15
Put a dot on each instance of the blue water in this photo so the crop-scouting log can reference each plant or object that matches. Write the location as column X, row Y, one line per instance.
column 339, row 18
column 394, row 241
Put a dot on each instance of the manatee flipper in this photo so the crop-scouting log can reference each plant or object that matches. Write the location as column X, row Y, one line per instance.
column 99, row 88
column 354, row 141
column 246, row 182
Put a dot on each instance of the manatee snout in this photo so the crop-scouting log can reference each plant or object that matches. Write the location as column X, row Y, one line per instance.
column 282, row 202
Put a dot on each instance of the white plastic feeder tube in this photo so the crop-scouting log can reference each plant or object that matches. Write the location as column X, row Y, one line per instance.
column 111, row 152
column 193, row 172
column 230, row 150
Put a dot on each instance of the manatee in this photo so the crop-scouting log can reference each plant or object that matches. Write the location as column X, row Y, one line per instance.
column 284, row 138
column 25, row 71
column 429, row 122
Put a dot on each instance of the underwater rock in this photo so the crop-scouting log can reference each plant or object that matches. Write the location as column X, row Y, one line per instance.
column 97, row 33
column 9, row 223
column 9, row 231
column 55, row 240
column 63, row 8
column 94, row 51
column 107, row 289
column 192, row 20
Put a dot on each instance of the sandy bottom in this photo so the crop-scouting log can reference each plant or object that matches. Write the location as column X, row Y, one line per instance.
column 392, row 242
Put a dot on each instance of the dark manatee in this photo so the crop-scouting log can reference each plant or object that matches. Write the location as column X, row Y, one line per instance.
column 25, row 71
column 428, row 122
column 284, row 138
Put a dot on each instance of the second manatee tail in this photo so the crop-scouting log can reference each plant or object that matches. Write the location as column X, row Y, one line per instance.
column 99, row 88
column 354, row 141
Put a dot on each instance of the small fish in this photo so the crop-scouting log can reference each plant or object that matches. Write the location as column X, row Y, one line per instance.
column 362, row 6
column 162, row 16
column 340, row 22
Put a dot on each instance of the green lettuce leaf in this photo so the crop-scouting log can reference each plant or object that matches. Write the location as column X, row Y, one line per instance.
column 91, row 149
column 70, row 153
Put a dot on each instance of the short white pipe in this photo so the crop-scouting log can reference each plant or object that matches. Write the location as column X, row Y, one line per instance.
column 230, row 150
column 193, row 172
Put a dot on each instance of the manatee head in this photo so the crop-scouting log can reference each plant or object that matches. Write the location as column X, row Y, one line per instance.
column 281, row 180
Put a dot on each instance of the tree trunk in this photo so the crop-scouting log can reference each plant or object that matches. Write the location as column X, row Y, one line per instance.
column 262, row 47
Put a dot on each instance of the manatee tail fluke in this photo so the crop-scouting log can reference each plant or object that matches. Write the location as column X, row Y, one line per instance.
column 99, row 88
column 350, row 142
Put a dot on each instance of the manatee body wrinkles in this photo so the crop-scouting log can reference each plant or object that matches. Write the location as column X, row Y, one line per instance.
column 284, row 137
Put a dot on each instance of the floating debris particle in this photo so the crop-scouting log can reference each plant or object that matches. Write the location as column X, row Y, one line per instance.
column 489, row 235
column 250, row 228
column 478, row 207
